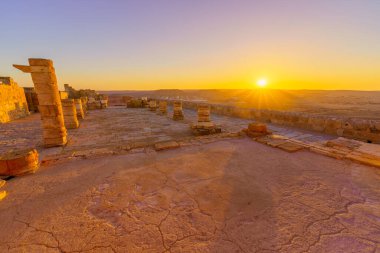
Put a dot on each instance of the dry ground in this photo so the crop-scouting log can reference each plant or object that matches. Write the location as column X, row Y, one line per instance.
column 231, row 195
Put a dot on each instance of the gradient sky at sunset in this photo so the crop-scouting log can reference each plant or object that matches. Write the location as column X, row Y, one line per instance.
column 196, row 44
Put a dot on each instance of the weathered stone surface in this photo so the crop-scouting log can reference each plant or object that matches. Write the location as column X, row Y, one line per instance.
column 70, row 114
column 203, row 113
column 45, row 83
column 13, row 104
column 162, row 106
column 84, row 101
column 290, row 147
column 153, row 105
column 361, row 129
column 177, row 110
column 31, row 98
column 228, row 196
column 79, row 108
column 166, row 145
column 16, row 163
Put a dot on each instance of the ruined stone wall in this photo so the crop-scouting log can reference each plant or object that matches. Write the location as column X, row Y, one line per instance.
column 13, row 103
column 360, row 129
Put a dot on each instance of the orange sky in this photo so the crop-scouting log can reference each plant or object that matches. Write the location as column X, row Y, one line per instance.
column 135, row 45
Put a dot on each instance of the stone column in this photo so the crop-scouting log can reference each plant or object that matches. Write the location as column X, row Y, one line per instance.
column 177, row 110
column 78, row 105
column 203, row 113
column 84, row 104
column 152, row 105
column 70, row 113
column 50, row 107
column 163, row 105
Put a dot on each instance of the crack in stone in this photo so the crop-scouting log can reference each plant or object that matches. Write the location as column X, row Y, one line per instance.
column 43, row 231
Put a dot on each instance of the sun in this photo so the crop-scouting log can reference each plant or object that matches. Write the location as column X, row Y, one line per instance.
column 262, row 83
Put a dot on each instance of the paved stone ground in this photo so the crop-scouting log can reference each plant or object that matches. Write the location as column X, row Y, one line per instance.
column 231, row 195
column 227, row 196
column 121, row 128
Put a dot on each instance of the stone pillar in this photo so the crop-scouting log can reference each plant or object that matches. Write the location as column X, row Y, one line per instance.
column 163, row 105
column 50, row 107
column 78, row 105
column 177, row 110
column 203, row 113
column 70, row 113
column 84, row 104
column 152, row 105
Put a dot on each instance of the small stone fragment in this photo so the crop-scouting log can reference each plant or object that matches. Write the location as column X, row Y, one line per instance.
column 256, row 130
column 166, row 145
column 290, row 147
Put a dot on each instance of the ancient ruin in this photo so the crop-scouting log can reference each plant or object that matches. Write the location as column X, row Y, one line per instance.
column 84, row 101
column 31, row 99
column 17, row 163
column 204, row 126
column 177, row 110
column 153, row 105
column 45, row 83
column 13, row 104
column 79, row 108
column 70, row 113
column 162, row 106
column 190, row 126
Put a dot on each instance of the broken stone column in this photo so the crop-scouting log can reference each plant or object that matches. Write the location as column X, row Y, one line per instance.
column 153, row 105
column 50, row 107
column 84, row 104
column 19, row 162
column 79, row 108
column 163, row 105
column 70, row 113
column 203, row 113
column 204, row 126
column 177, row 110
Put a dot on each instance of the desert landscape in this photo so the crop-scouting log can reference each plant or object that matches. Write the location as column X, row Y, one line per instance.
column 190, row 126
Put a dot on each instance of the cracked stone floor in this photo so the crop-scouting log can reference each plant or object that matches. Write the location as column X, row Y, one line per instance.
column 232, row 195
column 118, row 127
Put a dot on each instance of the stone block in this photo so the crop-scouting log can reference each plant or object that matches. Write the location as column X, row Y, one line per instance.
column 290, row 147
column 49, row 98
column 52, row 122
column 79, row 108
column 50, row 110
column 19, row 162
column 366, row 159
column 57, row 132
column 54, row 142
column 258, row 127
column 166, row 145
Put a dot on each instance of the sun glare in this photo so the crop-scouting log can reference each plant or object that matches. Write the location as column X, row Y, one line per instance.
column 262, row 83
